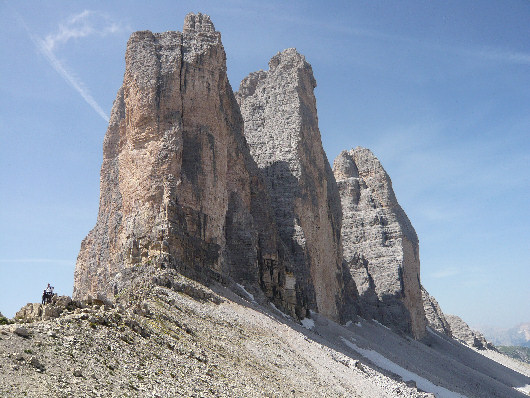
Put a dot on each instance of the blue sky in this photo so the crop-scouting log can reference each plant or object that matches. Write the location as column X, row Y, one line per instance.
column 439, row 91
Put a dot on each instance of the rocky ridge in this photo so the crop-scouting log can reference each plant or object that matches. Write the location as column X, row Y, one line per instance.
column 183, row 340
column 381, row 247
column 462, row 332
column 209, row 251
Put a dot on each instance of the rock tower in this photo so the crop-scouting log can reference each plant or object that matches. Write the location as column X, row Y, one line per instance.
column 380, row 245
column 178, row 185
column 281, row 127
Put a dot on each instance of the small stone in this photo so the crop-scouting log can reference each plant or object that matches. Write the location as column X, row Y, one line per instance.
column 78, row 373
column 36, row 364
column 359, row 365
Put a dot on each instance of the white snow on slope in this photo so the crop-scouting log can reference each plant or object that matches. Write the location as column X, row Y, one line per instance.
column 525, row 389
column 405, row 374
column 434, row 333
column 282, row 313
column 251, row 296
column 308, row 323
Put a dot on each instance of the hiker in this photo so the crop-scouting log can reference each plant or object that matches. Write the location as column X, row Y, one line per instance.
column 49, row 289
column 47, row 294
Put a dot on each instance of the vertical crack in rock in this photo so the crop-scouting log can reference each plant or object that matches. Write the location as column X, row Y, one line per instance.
column 179, row 187
column 380, row 245
column 281, row 126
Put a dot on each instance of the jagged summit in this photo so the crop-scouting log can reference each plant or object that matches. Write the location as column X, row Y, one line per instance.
column 221, row 226
column 195, row 23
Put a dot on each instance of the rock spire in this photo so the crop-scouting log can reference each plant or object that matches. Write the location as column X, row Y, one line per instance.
column 179, row 188
column 281, row 128
column 380, row 244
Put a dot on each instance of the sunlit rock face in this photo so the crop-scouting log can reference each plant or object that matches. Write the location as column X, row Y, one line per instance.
column 281, row 127
column 178, row 185
column 380, row 245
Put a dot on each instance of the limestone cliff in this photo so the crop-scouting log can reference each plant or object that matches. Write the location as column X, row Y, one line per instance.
column 281, row 127
column 380, row 244
column 179, row 188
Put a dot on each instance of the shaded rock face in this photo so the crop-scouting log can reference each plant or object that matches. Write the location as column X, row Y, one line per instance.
column 461, row 331
column 380, row 244
column 179, row 188
column 281, row 128
column 435, row 317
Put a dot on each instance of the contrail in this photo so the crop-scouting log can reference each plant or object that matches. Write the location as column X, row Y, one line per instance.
column 73, row 81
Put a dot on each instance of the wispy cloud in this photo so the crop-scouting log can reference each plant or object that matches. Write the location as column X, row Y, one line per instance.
column 446, row 272
column 486, row 53
column 69, row 77
column 84, row 24
column 35, row 260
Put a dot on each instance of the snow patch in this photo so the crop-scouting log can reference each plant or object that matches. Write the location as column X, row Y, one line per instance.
column 380, row 324
column 359, row 324
column 308, row 323
column 283, row 313
column 251, row 296
column 434, row 333
column 348, row 323
column 525, row 389
column 405, row 374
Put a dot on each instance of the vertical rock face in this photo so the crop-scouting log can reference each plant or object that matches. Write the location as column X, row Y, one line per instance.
column 380, row 244
column 435, row 317
column 281, row 128
column 178, row 185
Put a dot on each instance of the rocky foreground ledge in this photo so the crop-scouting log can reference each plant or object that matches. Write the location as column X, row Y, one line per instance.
column 169, row 336
column 184, row 339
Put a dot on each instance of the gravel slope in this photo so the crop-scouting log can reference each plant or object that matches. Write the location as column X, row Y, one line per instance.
column 202, row 342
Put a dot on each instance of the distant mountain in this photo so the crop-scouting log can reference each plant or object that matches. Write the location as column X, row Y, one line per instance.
column 516, row 336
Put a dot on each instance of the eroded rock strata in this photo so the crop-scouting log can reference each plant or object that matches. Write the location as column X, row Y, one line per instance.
column 179, row 188
column 380, row 244
column 281, row 128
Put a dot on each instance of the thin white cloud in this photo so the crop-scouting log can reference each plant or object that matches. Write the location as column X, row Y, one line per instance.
column 81, row 25
column 445, row 273
column 35, row 260
column 491, row 54
column 72, row 80
column 84, row 24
